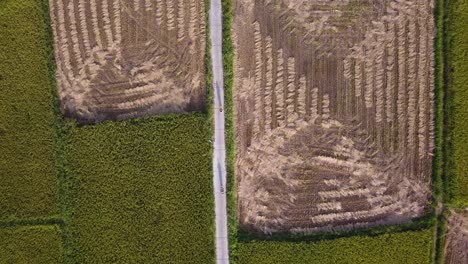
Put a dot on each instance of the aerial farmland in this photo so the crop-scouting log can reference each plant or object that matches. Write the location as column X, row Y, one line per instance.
column 233, row 131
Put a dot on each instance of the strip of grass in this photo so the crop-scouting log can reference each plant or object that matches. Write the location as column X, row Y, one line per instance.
column 456, row 106
column 28, row 181
column 30, row 244
column 440, row 238
column 141, row 191
column 228, row 67
column 438, row 161
column 406, row 247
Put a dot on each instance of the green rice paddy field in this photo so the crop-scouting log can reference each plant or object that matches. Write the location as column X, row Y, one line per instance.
column 456, row 101
column 140, row 191
column 31, row 244
column 28, row 181
column 405, row 247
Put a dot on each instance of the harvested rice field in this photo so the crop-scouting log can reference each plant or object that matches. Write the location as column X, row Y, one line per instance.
column 334, row 112
column 122, row 59
column 457, row 238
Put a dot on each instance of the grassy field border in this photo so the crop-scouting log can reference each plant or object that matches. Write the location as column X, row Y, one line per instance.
column 439, row 252
column 448, row 167
column 63, row 171
column 439, row 162
column 231, row 186
column 439, row 158
column 209, row 109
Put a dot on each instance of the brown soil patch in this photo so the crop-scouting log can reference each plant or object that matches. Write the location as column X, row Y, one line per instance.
column 121, row 59
column 334, row 113
column 456, row 245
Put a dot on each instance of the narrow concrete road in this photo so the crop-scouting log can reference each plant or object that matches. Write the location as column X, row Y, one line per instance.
column 219, row 154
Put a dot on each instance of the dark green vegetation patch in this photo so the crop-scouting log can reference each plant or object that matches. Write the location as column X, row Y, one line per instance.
column 456, row 102
column 27, row 168
column 30, row 244
column 141, row 191
column 406, row 247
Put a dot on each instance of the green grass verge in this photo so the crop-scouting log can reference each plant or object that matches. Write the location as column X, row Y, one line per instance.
column 141, row 191
column 28, row 181
column 406, row 247
column 30, row 244
column 439, row 257
column 438, row 160
column 228, row 67
column 456, row 106
column 439, row 156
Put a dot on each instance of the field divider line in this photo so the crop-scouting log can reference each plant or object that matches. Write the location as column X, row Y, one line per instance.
column 45, row 221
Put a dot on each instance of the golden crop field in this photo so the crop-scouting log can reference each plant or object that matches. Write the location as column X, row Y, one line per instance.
column 121, row 59
column 334, row 111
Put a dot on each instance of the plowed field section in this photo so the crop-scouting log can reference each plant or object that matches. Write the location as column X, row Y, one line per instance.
column 121, row 59
column 334, row 113
column 457, row 238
